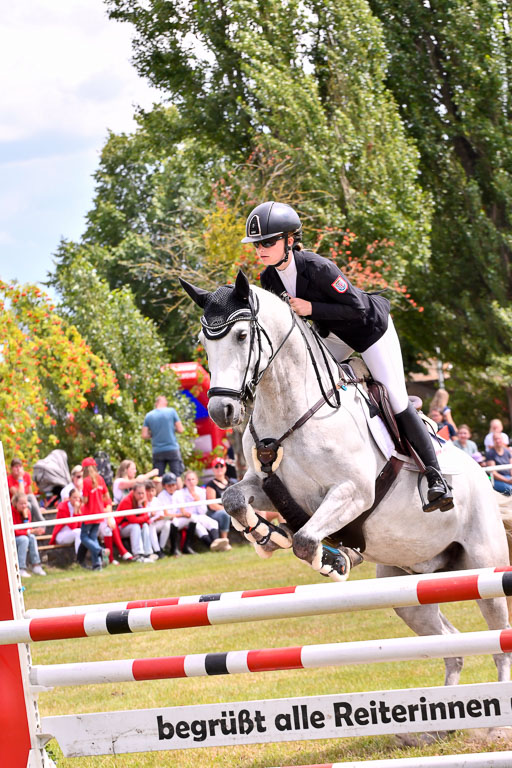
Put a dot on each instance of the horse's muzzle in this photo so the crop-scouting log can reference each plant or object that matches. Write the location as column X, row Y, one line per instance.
column 226, row 411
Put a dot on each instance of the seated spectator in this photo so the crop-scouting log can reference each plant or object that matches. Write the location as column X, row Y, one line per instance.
column 77, row 481
column 214, row 489
column 463, row 440
column 20, row 481
column 126, row 477
column 135, row 525
column 159, row 521
column 230, row 459
column 496, row 456
column 109, row 533
column 206, row 528
column 26, row 543
column 69, row 533
column 495, row 427
column 181, row 519
column 441, row 422
column 96, row 500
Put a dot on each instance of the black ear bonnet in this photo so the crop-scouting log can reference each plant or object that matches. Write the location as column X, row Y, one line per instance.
column 223, row 308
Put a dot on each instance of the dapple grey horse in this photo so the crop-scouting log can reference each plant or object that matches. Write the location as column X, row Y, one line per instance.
column 255, row 346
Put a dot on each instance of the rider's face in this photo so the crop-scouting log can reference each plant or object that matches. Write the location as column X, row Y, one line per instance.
column 274, row 254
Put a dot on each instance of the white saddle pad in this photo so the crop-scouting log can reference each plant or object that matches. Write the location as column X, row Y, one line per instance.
column 451, row 459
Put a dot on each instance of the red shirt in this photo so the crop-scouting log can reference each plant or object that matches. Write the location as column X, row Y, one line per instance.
column 12, row 482
column 129, row 503
column 17, row 519
column 64, row 511
column 95, row 504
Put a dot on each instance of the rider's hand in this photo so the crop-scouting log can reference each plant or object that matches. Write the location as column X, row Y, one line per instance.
column 301, row 306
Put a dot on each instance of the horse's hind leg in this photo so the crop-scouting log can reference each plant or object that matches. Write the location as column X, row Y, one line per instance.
column 427, row 620
column 495, row 613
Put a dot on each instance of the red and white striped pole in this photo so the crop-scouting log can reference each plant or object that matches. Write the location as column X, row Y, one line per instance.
column 273, row 659
column 19, row 717
column 483, row 760
column 257, row 605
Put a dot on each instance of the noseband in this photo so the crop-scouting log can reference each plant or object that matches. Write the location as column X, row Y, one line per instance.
column 248, row 387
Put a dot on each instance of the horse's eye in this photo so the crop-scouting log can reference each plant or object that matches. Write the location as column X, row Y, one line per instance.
column 242, row 335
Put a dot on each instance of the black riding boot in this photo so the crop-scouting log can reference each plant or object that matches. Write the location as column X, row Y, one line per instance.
column 187, row 549
column 414, row 430
column 174, row 547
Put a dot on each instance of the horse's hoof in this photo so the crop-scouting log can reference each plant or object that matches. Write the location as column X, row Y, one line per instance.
column 307, row 549
column 262, row 552
column 335, row 564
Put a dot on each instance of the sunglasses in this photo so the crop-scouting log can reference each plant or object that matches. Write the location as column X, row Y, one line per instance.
column 268, row 243
column 218, row 466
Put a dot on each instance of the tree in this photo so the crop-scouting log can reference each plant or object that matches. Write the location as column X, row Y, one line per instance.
column 117, row 331
column 49, row 373
column 239, row 93
column 450, row 71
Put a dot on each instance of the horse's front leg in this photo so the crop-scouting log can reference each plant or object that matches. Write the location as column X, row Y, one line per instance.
column 339, row 507
column 238, row 501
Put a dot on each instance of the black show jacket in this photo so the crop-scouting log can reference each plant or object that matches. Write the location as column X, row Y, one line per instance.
column 356, row 317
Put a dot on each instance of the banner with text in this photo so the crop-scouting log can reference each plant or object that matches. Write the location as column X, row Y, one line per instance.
column 274, row 720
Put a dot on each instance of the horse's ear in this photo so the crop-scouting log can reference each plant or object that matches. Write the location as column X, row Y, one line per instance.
column 198, row 295
column 242, row 287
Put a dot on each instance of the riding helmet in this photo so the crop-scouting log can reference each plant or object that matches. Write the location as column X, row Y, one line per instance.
column 271, row 219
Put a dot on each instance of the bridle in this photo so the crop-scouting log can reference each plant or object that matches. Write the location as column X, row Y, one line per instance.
column 248, row 387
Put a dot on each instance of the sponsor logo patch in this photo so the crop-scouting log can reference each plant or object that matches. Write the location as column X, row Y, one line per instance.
column 340, row 284
column 254, row 226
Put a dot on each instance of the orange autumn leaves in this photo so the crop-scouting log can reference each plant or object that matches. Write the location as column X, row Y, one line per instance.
column 47, row 370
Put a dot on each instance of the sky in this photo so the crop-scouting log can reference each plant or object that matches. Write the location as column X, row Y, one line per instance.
column 66, row 79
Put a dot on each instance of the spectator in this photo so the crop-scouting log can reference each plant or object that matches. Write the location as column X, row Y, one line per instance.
column 181, row 519
column 206, row 529
column 77, row 481
column 70, row 532
column 135, row 525
column 96, row 500
column 109, row 532
column 440, row 403
column 26, row 544
column 214, row 489
column 160, row 426
column 496, row 427
column 230, row 459
column 20, row 481
column 126, row 477
column 463, row 440
column 159, row 521
column 496, row 456
column 437, row 416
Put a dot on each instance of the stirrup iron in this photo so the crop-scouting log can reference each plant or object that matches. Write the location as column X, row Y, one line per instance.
column 444, row 500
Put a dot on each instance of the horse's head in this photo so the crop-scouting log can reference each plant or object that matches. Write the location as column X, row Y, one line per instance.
column 232, row 338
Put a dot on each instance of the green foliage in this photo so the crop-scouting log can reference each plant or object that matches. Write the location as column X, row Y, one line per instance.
column 118, row 332
column 48, row 373
column 450, row 71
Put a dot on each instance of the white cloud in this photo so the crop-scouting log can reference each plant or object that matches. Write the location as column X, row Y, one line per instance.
column 64, row 63
column 65, row 79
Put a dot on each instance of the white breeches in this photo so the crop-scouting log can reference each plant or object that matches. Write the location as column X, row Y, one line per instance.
column 204, row 524
column 384, row 361
column 162, row 527
column 69, row 535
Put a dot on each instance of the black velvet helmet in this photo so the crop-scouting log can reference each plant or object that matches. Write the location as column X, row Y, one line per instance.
column 269, row 220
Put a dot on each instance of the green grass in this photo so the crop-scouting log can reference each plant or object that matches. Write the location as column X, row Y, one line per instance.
column 238, row 569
